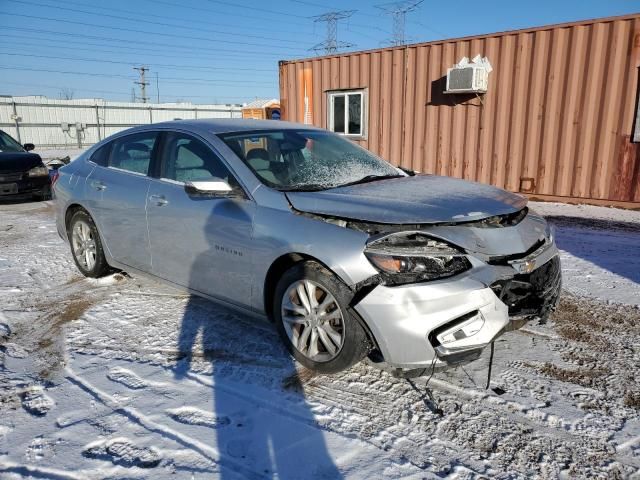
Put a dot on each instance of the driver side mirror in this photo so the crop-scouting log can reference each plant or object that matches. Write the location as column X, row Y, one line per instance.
column 29, row 146
column 214, row 187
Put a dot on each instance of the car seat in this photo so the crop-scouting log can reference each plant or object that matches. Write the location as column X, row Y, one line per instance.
column 194, row 162
column 259, row 160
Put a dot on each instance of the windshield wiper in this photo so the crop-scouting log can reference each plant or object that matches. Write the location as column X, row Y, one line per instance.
column 316, row 187
column 370, row 178
column 311, row 187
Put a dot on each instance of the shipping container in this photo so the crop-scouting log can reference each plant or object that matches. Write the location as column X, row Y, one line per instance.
column 557, row 120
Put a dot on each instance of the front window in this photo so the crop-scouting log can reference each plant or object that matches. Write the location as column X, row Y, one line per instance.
column 187, row 159
column 307, row 159
column 8, row 144
column 346, row 112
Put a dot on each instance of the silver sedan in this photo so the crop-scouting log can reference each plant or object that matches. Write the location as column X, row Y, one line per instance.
column 348, row 255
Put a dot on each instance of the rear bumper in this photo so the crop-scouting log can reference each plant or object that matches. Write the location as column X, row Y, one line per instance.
column 453, row 320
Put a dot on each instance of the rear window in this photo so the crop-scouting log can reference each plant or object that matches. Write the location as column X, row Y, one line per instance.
column 133, row 152
column 101, row 155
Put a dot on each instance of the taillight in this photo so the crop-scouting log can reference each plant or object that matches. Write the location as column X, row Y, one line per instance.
column 54, row 179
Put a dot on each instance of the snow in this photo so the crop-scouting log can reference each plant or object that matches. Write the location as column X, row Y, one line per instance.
column 600, row 248
column 128, row 378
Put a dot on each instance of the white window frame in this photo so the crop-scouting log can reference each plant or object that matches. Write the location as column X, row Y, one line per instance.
column 363, row 111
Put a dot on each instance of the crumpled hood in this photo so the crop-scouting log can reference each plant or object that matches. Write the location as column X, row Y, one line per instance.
column 13, row 162
column 407, row 200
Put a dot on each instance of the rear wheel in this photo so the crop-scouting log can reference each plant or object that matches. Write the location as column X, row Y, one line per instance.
column 312, row 316
column 86, row 247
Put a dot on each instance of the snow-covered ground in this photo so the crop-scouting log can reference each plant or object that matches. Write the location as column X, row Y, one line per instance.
column 95, row 380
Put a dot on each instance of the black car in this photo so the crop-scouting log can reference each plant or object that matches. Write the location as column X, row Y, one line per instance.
column 22, row 174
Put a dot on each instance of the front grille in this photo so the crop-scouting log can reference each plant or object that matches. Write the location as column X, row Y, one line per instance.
column 10, row 177
column 533, row 294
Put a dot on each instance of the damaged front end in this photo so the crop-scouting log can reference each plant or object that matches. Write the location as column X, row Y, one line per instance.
column 414, row 257
column 437, row 302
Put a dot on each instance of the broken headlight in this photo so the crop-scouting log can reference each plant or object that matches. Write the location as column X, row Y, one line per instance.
column 406, row 258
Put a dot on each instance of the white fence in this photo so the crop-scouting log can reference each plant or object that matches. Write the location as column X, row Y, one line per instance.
column 80, row 123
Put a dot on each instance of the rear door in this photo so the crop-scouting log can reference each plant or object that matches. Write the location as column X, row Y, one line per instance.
column 117, row 193
column 203, row 243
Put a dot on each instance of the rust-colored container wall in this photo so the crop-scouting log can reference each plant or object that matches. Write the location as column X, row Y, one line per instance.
column 557, row 119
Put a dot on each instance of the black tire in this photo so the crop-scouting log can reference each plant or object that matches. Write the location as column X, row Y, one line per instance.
column 101, row 267
column 355, row 344
column 45, row 194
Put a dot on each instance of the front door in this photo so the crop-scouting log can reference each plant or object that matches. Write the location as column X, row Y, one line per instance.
column 203, row 243
column 116, row 193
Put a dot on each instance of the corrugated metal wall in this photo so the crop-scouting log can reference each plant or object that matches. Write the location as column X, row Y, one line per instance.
column 557, row 119
column 40, row 118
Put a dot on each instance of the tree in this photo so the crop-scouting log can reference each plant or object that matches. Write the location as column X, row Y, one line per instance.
column 67, row 93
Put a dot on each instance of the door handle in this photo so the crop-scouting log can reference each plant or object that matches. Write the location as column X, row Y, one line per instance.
column 159, row 200
column 98, row 185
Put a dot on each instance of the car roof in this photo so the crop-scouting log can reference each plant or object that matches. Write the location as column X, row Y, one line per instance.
column 228, row 125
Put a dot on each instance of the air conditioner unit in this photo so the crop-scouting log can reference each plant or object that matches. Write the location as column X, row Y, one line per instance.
column 469, row 76
column 469, row 79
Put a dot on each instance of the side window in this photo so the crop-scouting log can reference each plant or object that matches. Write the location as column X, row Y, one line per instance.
column 101, row 155
column 133, row 152
column 346, row 112
column 187, row 159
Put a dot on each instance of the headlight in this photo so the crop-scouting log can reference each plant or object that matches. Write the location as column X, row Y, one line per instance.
column 415, row 257
column 38, row 172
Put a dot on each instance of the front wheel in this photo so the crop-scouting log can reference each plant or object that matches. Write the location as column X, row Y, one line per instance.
column 312, row 316
column 86, row 246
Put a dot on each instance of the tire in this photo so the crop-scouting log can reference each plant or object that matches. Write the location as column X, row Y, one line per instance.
column 330, row 309
column 45, row 194
column 92, row 264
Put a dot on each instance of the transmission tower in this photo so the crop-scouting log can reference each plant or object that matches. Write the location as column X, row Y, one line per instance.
column 398, row 12
column 331, row 44
column 143, row 83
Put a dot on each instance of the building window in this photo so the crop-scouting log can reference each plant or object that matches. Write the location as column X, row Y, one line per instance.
column 347, row 112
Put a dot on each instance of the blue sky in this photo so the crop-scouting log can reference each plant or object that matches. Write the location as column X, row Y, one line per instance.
column 222, row 51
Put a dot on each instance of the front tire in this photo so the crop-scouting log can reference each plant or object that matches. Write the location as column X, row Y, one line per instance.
column 86, row 246
column 311, row 310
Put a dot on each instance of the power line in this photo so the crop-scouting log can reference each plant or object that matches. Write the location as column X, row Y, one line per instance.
column 398, row 12
column 202, row 9
column 438, row 32
column 57, row 87
column 162, row 24
column 89, row 74
column 116, row 62
column 246, row 8
column 331, row 43
column 182, row 81
column 147, row 14
column 129, row 41
column 137, row 51
column 257, row 9
column 123, row 29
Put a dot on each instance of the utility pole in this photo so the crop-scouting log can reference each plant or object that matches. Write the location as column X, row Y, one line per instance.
column 157, row 88
column 143, row 83
column 398, row 12
column 331, row 44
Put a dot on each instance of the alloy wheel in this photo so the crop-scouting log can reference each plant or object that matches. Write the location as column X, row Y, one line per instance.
column 313, row 320
column 84, row 245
